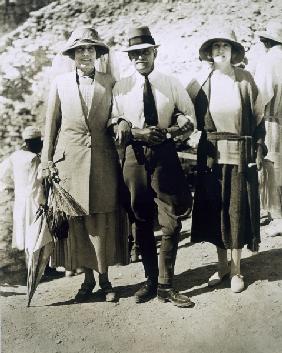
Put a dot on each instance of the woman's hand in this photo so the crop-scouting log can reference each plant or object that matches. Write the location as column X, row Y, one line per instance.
column 194, row 138
column 50, row 171
column 123, row 133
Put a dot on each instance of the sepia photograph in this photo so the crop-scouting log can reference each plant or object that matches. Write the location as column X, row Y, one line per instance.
column 141, row 176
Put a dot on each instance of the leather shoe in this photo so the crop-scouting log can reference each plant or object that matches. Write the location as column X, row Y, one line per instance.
column 147, row 292
column 84, row 293
column 171, row 295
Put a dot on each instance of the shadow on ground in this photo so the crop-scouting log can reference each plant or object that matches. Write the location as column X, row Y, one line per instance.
column 263, row 266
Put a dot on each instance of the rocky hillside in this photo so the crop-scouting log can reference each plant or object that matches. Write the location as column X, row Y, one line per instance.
column 179, row 26
column 26, row 53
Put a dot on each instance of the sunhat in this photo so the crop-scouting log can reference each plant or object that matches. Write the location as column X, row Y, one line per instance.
column 227, row 35
column 140, row 38
column 84, row 36
column 273, row 31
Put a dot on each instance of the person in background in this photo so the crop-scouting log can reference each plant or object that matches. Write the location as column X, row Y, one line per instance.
column 78, row 147
column 143, row 105
column 231, row 149
column 268, row 77
column 21, row 172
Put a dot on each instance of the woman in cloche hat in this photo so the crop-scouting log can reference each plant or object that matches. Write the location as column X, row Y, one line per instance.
column 231, row 148
column 77, row 144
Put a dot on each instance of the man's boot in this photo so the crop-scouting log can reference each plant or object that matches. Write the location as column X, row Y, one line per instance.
column 167, row 294
column 147, row 292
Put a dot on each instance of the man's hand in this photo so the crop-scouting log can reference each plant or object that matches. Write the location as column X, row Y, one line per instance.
column 123, row 132
column 259, row 159
column 151, row 136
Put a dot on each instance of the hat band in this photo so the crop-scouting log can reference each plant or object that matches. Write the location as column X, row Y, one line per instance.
column 141, row 40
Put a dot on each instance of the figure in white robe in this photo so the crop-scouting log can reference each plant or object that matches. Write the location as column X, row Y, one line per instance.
column 21, row 172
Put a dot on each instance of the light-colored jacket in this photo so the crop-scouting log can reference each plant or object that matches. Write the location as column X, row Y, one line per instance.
column 82, row 149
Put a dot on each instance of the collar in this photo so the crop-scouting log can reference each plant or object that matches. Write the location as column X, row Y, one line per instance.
column 79, row 74
column 153, row 77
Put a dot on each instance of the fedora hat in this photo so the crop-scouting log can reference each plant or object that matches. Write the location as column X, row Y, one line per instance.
column 227, row 35
column 273, row 31
column 84, row 36
column 140, row 38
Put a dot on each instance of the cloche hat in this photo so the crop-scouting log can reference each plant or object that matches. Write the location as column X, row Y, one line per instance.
column 140, row 38
column 227, row 35
column 273, row 31
column 84, row 36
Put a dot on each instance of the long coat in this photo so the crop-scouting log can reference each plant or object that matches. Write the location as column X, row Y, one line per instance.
column 80, row 146
column 226, row 203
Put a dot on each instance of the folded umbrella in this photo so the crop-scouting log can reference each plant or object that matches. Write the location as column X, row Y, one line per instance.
column 39, row 250
column 51, row 222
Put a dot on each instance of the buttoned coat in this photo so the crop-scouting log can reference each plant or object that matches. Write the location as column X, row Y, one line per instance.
column 79, row 145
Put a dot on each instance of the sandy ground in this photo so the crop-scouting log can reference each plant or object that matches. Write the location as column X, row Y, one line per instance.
column 220, row 322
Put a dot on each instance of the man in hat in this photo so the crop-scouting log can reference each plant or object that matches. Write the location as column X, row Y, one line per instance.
column 143, row 106
column 20, row 172
column 268, row 77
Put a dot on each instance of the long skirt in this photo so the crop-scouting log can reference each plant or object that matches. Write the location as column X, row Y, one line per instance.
column 226, row 208
column 95, row 241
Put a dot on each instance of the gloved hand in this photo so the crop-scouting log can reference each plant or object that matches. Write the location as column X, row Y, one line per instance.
column 50, row 171
column 123, row 132
column 194, row 138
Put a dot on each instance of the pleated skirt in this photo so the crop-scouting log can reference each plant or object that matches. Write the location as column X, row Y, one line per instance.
column 95, row 241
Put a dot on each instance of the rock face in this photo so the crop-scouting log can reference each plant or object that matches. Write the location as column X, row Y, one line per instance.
column 26, row 53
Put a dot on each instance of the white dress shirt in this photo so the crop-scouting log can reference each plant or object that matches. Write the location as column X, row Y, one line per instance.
column 168, row 93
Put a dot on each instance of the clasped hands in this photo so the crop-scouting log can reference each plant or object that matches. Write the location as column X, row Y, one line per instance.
column 154, row 135
column 150, row 135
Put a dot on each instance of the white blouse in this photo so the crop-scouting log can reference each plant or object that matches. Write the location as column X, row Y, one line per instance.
column 225, row 103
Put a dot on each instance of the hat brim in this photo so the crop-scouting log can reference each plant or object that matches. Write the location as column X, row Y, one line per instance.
column 31, row 136
column 238, row 56
column 104, row 49
column 269, row 36
column 140, row 46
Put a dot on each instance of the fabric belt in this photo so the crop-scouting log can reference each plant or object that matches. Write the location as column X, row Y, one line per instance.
column 232, row 149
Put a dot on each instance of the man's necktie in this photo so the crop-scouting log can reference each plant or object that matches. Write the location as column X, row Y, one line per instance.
column 150, row 110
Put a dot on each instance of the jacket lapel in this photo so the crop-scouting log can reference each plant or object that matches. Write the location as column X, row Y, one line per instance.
column 76, row 104
column 99, row 91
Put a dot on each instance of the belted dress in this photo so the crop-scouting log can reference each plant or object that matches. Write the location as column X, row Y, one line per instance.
column 226, row 209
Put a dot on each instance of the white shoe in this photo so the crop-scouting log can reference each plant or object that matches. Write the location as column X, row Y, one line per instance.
column 216, row 279
column 237, row 283
column 69, row 273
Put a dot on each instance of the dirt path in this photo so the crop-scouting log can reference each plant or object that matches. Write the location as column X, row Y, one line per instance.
column 220, row 322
